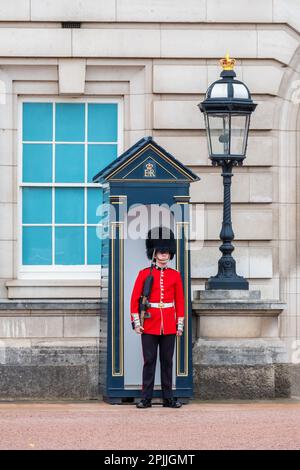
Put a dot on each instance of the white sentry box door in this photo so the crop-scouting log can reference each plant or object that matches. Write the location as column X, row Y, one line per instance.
column 135, row 259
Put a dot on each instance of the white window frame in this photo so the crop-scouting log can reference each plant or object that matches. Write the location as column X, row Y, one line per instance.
column 70, row 272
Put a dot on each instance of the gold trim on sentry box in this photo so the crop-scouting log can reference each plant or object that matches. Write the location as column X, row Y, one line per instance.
column 185, row 226
column 114, row 226
column 155, row 150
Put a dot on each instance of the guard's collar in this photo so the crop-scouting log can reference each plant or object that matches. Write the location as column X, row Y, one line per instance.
column 161, row 269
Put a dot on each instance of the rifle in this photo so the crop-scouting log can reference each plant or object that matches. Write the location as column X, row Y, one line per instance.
column 143, row 302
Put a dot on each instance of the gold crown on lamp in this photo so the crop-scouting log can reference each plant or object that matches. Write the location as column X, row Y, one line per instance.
column 227, row 63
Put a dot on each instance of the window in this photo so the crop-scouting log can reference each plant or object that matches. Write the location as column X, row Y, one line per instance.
column 63, row 145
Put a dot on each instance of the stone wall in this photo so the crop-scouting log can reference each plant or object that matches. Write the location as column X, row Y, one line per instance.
column 51, row 350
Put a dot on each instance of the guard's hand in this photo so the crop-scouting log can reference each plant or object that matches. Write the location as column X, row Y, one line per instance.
column 179, row 333
column 139, row 330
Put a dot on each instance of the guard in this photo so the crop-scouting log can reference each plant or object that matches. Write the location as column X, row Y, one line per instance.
column 164, row 316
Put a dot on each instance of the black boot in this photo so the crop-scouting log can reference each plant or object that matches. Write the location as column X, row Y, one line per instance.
column 171, row 403
column 144, row 403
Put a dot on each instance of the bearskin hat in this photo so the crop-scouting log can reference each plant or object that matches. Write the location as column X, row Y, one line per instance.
column 161, row 239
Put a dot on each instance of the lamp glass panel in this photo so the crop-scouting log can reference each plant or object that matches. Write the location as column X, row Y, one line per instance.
column 239, row 133
column 219, row 90
column 207, row 133
column 219, row 133
column 240, row 91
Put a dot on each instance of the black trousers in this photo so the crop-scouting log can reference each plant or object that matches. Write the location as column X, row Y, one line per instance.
column 166, row 345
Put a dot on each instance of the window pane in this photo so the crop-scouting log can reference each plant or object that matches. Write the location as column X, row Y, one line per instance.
column 69, row 245
column 98, row 157
column 65, row 123
column 93, row 246
column 95, row 198
column 69, row 163
column 37, row 205
column 69, row 122
column 103, row 122
column 103, row 234
column 37, row 245
column 37, row 163
column 37, row 121
column 69, row 205
column 104, row 260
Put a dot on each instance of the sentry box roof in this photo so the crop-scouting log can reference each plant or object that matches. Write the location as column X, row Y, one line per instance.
column 146, row 161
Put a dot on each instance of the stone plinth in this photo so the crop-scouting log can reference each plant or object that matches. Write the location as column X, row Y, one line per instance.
column 238, row 352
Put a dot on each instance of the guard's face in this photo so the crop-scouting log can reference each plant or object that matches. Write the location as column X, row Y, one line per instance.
column 162, row 255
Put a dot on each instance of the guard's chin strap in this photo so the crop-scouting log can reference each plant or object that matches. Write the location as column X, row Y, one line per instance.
column 152, row 261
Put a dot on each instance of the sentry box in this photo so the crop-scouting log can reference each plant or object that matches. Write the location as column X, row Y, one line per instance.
column 143, row 188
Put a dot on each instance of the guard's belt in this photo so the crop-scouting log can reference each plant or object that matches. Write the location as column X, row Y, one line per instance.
column 161, row 304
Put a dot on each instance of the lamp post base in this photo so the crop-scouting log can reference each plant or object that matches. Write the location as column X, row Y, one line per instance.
column 232, row 283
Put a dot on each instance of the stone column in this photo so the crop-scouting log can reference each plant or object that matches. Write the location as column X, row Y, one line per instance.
column 238, row 353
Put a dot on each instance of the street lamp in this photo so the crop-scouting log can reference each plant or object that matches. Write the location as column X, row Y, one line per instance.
column 227, row 109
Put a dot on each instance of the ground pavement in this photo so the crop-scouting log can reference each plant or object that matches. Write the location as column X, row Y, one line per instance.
column 198, row 425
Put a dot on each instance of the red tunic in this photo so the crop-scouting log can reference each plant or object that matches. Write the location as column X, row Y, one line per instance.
column 167, row 287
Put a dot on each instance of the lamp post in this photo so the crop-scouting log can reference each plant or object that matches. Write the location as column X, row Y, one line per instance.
column 227, row 109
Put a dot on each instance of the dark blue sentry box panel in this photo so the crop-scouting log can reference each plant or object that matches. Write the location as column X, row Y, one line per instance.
column 144, row 174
